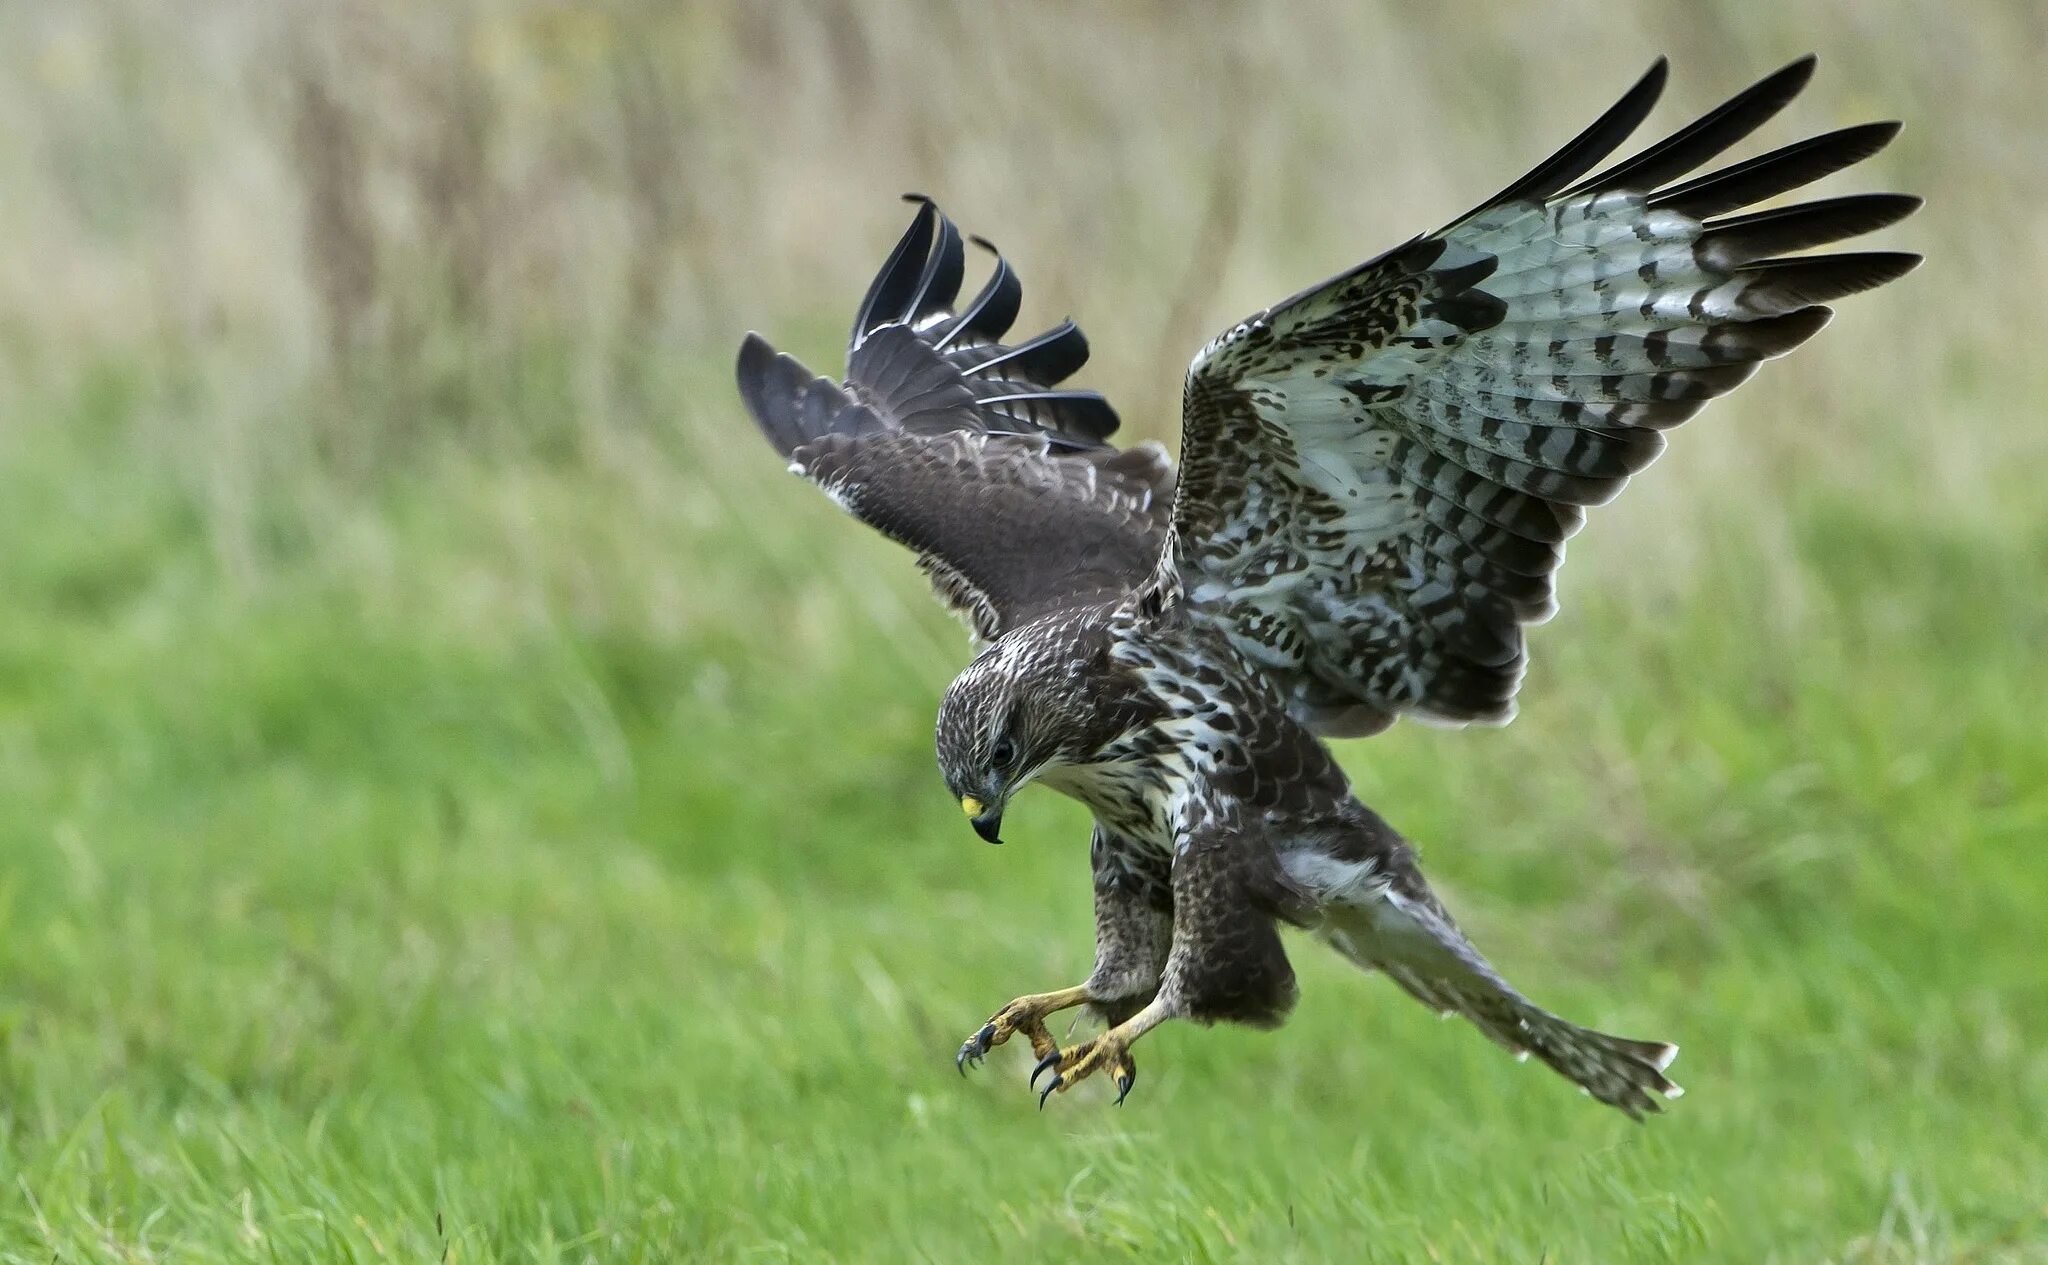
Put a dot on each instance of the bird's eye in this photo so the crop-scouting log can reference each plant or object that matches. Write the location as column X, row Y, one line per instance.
column 1002, row 753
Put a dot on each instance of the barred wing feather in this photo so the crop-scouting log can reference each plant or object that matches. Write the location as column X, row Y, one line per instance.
column 1378, row 474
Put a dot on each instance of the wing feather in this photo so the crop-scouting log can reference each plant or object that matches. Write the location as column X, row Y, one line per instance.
column 1601, row 138
column 968, row 451
column 1780, row 171
column 1378, row 474
column 1706, row 138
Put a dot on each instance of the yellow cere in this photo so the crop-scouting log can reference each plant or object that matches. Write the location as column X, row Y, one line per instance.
column 970, row 805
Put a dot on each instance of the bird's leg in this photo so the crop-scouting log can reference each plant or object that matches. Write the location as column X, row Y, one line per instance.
column 1226, row 963
column 1026, row 1015
column 1110, row 1053
column 1133, row 931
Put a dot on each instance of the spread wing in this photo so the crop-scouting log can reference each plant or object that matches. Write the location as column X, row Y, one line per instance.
column 965, row 448
column 1378, row 475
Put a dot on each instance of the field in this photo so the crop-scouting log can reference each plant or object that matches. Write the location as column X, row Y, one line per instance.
column 460, row 800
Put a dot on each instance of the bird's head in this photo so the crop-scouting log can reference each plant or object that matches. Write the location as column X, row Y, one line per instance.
column 1024, row 706
column 990, row 741
column 1045, row 697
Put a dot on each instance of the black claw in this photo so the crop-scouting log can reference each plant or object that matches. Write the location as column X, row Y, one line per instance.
column 1045, row 1064
column 1124, row 1083
column 974, row 1047
column 1046, row 1093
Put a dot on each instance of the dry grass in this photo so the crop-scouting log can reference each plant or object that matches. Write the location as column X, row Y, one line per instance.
column 429, row 199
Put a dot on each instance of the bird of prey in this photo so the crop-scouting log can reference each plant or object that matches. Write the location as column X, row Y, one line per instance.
column 1376, row 480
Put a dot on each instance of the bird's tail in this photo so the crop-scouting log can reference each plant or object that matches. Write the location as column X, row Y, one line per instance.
column 1410, row 938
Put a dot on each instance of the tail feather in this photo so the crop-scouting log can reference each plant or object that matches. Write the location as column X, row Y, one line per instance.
column 1411, row 939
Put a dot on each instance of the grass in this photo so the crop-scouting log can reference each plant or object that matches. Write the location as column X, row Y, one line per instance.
column 353, row 916
column 460, row 801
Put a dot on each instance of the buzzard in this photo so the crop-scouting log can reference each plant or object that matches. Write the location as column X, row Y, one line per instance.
column 1376, row 481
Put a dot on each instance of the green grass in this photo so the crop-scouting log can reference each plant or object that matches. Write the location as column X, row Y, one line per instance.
column 460, row 801
column 520, row 862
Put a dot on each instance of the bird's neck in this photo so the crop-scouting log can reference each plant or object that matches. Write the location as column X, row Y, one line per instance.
column 1135, row 787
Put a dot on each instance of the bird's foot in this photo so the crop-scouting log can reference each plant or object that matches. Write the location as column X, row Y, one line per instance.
column 1025, row 1015
column 1109, row 1053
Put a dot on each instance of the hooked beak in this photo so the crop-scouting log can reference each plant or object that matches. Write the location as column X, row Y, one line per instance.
column 987, row 822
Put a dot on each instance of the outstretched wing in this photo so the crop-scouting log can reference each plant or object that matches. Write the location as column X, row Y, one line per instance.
column 965, row 448
column 1378, row 475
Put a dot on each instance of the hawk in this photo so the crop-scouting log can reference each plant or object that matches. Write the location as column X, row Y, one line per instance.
column 1377, row 477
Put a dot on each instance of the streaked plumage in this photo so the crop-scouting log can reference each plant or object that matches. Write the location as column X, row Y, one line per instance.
column 1377, row 478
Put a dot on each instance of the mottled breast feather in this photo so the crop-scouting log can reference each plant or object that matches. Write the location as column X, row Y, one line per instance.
column 1378, row 475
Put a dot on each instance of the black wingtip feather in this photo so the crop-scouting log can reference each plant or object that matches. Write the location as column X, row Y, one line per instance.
column 1076, row 419
column 1590, row 146
column 1744, row 239
column 1769, row 175
column 1090, row 415
column 1783, row 285
column 1049, row 358
column 939, row 283
column 771, row 386
column 897, row 281
column 994, row 310
column 1708, row 136
column 1768, row 337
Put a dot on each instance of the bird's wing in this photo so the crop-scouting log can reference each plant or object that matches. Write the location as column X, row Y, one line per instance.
column 1378, row 475
column 965, row 448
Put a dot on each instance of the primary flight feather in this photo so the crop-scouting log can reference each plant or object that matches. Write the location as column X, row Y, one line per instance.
column 1377, row 478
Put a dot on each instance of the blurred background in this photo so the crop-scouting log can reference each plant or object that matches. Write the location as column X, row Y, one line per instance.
column 458, row 794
